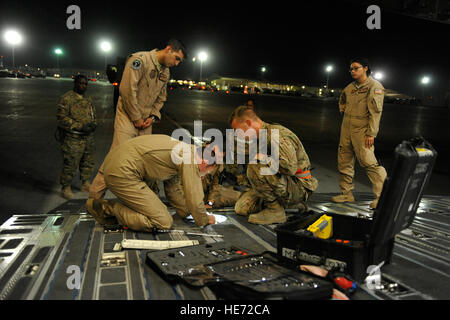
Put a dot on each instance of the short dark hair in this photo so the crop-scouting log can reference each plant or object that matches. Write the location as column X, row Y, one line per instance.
column 78, row 77
column 364, row 62
column 177, row 45
column 242, row 111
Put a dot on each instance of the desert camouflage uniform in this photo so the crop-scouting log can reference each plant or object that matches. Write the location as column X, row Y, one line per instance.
column 75, row 111
column 239, row 170
column 292, row 185
column 217, row 193
column 212, row 190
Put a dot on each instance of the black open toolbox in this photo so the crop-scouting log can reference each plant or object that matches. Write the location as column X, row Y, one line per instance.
column 233, row 273
column 358, row 243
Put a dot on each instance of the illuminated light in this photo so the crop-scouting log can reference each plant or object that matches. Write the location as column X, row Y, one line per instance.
column 115, row 84
column 13, row 37
column 329, row 68
column 378, row 75
column 203, row 56
column 105, row 46
column 425, row 80
column 58, row 51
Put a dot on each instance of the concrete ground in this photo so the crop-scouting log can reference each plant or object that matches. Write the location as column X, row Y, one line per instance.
column 31, row 160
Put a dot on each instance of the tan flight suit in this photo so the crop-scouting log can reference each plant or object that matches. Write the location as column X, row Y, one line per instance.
column 362, row 105
column 143, row 91
column 292, row 185
column 126, row 170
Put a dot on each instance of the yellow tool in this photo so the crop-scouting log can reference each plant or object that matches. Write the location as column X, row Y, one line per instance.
column 322, row 228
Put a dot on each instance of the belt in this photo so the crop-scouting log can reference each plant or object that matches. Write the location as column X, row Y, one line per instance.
column 78, row 133
column 303, row 174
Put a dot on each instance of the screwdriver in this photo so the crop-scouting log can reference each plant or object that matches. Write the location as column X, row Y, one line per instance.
column 190, row 233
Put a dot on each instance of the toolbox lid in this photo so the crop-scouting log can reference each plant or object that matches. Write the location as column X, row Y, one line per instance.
column 403, row 189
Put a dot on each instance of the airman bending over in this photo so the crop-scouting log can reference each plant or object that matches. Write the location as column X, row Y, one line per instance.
column 289, row 187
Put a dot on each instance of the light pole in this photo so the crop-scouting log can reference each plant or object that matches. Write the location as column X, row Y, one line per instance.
column 13, row 38
column 193, row 69
column 263, row 71
column 328, row 69
column 202, row 56
column 425, row 80
column 58, row 52
column 105, row 46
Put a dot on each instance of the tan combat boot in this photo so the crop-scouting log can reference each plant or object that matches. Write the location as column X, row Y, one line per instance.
column 272, row 213
column 374, row 203
column 301, row 206
column 96, row 207
column 85, row 186
column 66, row 192
column 345, row 197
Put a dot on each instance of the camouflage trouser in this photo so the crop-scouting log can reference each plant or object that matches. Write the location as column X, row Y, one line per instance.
column 239, row 171
column 267, row 188
column 78, row 152
column 222, row 197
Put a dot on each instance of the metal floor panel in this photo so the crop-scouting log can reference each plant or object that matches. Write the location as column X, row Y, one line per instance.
column 41, row 254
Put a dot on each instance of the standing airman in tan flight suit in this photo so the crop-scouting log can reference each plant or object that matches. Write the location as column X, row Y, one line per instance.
column 152, row 157
column 289, row 187
column 143, row 91
column 361, row 102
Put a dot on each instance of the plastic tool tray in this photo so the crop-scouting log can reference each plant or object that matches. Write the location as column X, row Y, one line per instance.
column 233, row 273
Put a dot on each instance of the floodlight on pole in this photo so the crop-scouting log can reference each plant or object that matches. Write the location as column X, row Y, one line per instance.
column 58, row 52
column 106, row 47
column 13, row 38
column 328, row 69
column 202, row 56
column 425, row 80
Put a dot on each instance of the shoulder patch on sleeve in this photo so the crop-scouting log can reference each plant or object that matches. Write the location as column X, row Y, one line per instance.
column 136, row 64
column 378, row 91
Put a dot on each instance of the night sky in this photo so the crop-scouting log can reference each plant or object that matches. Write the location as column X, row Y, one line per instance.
column 294, row 40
